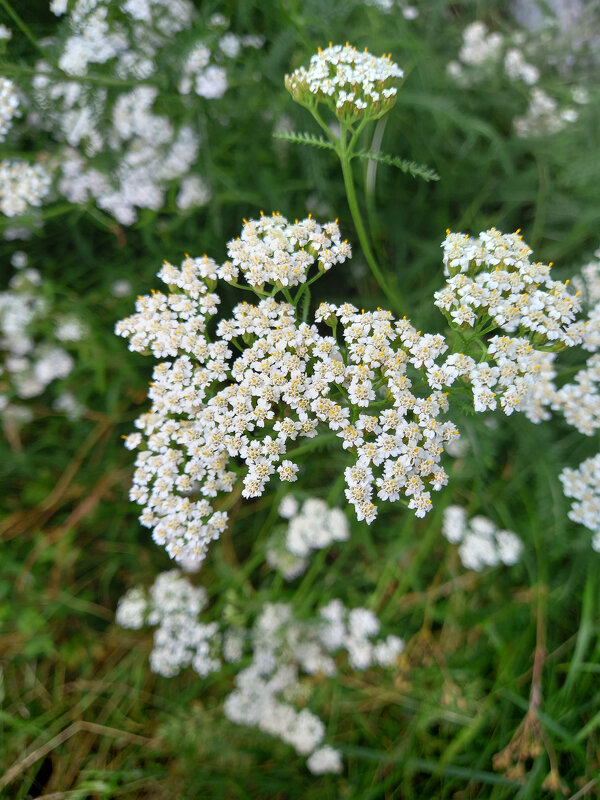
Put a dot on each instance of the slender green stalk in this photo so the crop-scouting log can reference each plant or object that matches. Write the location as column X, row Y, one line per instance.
column 252, row 289
column 344, row 147
column 287, row 295
column 58, row 75
column 21, row 25
column 304, row 287
column 361, row 231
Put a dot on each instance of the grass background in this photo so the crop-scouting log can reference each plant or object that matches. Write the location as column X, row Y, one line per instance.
column 81, row 714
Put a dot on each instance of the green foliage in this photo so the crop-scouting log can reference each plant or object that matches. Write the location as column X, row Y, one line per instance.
column 409, row 167
column 305, row 138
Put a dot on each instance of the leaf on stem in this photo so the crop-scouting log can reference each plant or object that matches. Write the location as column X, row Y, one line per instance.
column 305, row 138
column 410, row 167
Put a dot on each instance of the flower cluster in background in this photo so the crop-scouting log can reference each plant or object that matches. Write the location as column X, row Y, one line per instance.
column 312, row 526
column 121, row 151
column 284, row 653
column 484, row 53
column 34, row 342
column 22, row 185
column 583, row 484
column 9, row 106
column 481, row 542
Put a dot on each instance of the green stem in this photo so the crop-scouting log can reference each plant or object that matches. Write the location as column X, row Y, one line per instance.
column 360, row 229
column 20, row 24
column 260, row 294
column 101, row 80
column 287, row 295
column 306, row 306
column 304, row 287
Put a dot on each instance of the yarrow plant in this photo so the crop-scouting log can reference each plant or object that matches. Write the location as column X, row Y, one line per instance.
column 263, row 379
column 266, row 379
column 286, row 653
column 481, row 542
column 314, row 526
column 119, row 150
column 35, row 338
column 242, row 390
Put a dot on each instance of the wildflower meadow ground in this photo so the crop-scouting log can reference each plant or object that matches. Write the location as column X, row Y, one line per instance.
column 300, row 399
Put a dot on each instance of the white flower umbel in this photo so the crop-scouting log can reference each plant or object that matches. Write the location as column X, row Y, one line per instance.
column 247, row 393
column 325, row 760
column 481, row 542
column 30, row 358
column 22, row 185
column 350, row 82
column 516, row 68
column 313, row 527
column 583, row 485
column 180, row 640
column 479, row 45
column 282, row 647
column 268, row 690
column 9, row 106
column 543, row 116
column 273, row 251
column 492, row 284
column 579, row 399
column 194, row 192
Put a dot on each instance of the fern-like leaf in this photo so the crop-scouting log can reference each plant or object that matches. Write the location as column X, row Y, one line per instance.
column 410, row 167
column 305, row 138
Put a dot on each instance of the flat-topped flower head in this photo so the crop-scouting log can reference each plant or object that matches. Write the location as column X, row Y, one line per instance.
column 350, row 82
column 583, row 484
column 492, row 275
column 494, row 285
column 273, row 688
column 9, row 106
column 271, row 250
column 239, row 391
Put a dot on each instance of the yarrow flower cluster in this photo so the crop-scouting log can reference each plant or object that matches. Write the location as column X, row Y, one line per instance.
column 482, row 53
column 583, row 484
column 180, row 640
column 482, row 543
column 351, row 83
column 30, row 361
column 312, row 527
column 492, row 284
column 264, row 381
column 543, row 116
column 579, row 399
column 9, row 106
column 121, row 153
column 22, row 185
column 273, row 251
column 269, row 689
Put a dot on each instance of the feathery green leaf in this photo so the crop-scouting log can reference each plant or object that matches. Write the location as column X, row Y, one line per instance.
column 410, row 167
column 305, row 138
